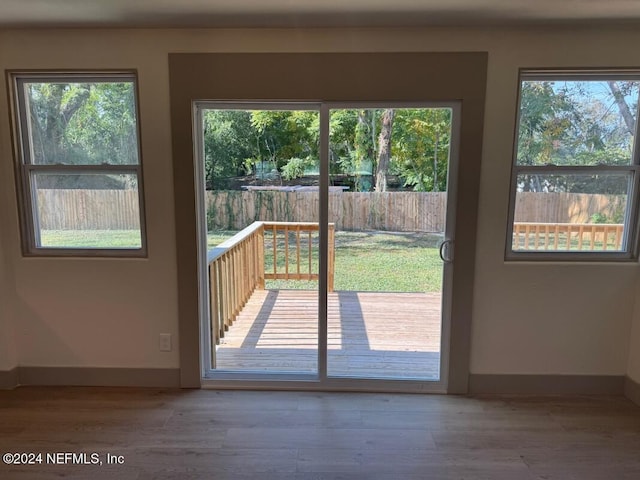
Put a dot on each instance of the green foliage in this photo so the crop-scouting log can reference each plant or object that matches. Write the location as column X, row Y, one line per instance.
column 617, row 216
column 105, row 128
column 364, row 153
column 83, row 123
column 242, row 142
column 282, row 134
column 420, row 148
column 342, row 125
column 229, row 146
column 296, row 167
column 599, row 218
column 239, row 142
column 545, row 119
column 575, row 123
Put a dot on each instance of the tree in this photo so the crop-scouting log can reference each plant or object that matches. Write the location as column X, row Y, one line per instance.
column 576, row 123
column 104, row 128
column 228, row 144
column 83, row 124
column 619, row 97
column 52, row 106
column 366, row 145
column 384, row 150
column 420, row 148
column 241, row 142
column 546, row 115
column 352, row 145
column 286, row 135
column 342, row 125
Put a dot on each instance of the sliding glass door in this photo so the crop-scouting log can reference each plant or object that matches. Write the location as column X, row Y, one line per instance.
column 385, row 319
column 260, row 195
column 325, row 242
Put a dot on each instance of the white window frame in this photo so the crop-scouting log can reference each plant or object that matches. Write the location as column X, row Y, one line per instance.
column 27, row 170
column 629, row 251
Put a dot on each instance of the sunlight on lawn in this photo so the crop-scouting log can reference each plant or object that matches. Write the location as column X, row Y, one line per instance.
column 90, row 238
column 373, row 261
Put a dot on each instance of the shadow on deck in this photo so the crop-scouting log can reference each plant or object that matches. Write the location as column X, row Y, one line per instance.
column 370, row 334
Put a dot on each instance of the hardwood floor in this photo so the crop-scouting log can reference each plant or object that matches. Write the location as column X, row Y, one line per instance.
column 371, row 334
column 220, row 435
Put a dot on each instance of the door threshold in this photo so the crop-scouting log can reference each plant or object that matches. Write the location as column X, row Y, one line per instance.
column 326, row 385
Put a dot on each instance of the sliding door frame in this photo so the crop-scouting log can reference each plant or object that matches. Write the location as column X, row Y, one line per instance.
column 422, row 385
column 332, row 78
column 240, row 378
column 214, row 378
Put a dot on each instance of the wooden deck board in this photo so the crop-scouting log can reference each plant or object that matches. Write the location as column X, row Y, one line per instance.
column 370, row 334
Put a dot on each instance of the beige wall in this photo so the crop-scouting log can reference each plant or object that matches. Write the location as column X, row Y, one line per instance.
column 7, row 341
column 560, row 318
column 536, row 318
column 633, row 368
column 105, row 313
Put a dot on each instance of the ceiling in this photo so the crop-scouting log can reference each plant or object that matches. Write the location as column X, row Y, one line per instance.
column 310, row 13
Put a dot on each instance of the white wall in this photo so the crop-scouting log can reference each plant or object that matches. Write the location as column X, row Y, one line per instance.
column 528, row 318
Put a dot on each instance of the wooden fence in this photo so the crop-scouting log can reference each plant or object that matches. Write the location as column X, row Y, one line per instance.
column 388, row 211
column 567, row 207
column 61, row 209
column 77, row 209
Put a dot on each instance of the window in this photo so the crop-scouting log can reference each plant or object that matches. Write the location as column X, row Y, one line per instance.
column 576, row 170
column 79, row 163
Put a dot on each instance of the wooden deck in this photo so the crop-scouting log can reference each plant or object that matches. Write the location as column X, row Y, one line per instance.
column 371, row 334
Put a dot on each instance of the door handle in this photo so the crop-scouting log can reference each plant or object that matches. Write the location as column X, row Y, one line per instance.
column 446, row 251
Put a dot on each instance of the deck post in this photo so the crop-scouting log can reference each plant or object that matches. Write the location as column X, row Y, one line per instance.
column 331, row 253
column 260, row 259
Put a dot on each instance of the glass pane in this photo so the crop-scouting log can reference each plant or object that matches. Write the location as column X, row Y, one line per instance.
column 74, row 123
column 87, row 211
column 586, row 122
column 571, row 212
column 262, row 166
column 389, row 168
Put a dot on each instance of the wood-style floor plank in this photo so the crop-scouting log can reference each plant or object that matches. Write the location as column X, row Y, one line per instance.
column 205, row 434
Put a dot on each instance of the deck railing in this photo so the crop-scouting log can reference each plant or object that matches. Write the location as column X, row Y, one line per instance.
column 262, row 251
column 567, row 236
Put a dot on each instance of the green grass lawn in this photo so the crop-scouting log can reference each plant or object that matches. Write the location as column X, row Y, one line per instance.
column 364, row 261
column 218, row 236
column 370, row 261
column 387, row 262
column 90, row 238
